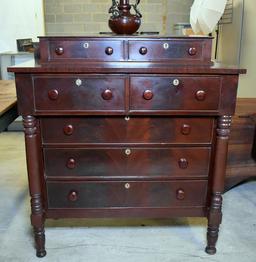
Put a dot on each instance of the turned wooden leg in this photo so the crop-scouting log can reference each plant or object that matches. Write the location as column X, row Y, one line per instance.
column 214, row 221
column 40, row 241
column 215, row 213
column 35, row 178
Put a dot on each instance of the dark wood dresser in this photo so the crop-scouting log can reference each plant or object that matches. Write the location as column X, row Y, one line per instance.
column 126, row 127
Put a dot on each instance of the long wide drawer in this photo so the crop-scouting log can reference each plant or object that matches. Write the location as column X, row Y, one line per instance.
column 132, row 162
column 79, row 93
column 114, row 130
column 126, row 194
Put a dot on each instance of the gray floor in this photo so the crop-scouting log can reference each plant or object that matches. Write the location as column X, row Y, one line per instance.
column 117, row 240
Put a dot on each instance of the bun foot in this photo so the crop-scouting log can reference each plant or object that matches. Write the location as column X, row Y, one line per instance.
column 41, row 253
column 210, row 250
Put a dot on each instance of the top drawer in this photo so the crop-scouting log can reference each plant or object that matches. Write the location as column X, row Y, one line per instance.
column 171, row 50
column 177, row 50
column 84, row 49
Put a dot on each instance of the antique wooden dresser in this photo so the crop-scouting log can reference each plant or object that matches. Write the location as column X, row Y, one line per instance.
column 126, row 127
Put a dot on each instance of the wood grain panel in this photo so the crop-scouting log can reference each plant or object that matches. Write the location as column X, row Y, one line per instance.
column 123, row 162
column 118, row 194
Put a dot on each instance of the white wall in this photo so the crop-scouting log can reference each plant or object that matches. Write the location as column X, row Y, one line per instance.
column 20, row 19
column 230, row 44
column 247, row 85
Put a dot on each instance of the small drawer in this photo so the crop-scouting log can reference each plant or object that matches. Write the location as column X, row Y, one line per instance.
column 79, row 93
column 174, row 93
column 134, row 130
column 171, row 50
column 81, row 50
column 127, row 162
column 127, row 194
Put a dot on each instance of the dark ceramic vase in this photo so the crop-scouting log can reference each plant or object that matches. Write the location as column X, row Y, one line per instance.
column 122, row 21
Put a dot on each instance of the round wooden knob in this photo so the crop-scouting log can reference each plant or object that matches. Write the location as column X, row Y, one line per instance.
column 73, row 196
column 200, row 95
column 192, row 51
column 180, row 194
column 107, row 94
column 183, row 163
column 59, row 50
column 71, row 163
column 53, row 94
column 68, row 130
column 185, row 129
column 109, row 50
column 148, row 95
column 143, row 50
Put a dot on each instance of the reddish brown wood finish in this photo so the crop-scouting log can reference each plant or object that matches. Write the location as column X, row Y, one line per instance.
column 162, row 93
column 97, row 93
column 109, row 162
column 126, row 194
column 137, row 130
column 126, row 127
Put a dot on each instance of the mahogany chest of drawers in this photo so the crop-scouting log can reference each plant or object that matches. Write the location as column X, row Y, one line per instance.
column 126, row 127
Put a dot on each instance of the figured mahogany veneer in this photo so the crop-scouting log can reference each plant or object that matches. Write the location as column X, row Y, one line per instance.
column 130, row 194
column 117, row 130
column 186, row 162
column 126, row 127
column 84, row 49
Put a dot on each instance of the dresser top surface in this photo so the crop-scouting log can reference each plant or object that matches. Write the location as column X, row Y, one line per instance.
column 124, row 37
column 125, row 67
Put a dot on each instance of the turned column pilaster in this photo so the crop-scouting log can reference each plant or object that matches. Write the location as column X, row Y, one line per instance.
column 34, row 160
column 215, row 211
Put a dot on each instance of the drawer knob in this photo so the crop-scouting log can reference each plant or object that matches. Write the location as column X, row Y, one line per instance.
column 68, row 130
column 127, row 118
column 143, row 50
column 128, row 151
column 73, row 196
column 192, row 51
column 59, row 50
column 180, row 194
column 53, row 94
column 148, row 95
column 71, row 163
column 107, row 94
column 127, row 185
column 109, row 50
column 183, row 163
column 185, row 129
column 200, row 95
column 176, row 82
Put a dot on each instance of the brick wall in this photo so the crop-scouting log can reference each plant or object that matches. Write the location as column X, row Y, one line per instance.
column 80, row 17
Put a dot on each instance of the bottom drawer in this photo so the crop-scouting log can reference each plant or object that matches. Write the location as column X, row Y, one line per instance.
column 126, row 194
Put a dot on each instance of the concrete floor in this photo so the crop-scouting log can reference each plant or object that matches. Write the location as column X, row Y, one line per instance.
column 117, row 240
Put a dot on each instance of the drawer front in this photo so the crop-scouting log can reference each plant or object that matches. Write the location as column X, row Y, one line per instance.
column 174, row 93
column 185, row 51
column 137, row 130
column 126, row 194
column 67, row 93
column 86, row 50
column 134, row 162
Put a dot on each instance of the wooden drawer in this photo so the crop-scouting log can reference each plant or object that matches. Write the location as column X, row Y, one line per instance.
column 79, row 93
column 137, row 130
column 174, row 93
column 171, row 50
column 126, row 194
column 132, row 162
column 79, row 50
